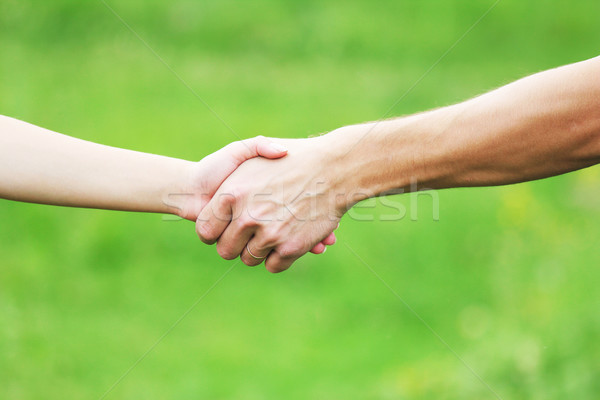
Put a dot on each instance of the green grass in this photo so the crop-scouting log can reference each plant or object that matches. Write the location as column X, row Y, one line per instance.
column 507, row 276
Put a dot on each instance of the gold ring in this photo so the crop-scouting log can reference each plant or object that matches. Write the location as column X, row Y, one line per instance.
column 252, row 255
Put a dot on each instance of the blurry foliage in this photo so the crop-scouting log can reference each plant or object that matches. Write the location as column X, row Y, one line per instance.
column 507, row 276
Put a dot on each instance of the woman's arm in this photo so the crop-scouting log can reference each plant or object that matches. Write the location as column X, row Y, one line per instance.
column 41, row 166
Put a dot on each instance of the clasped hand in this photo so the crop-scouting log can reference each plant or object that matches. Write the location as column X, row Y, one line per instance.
column 262, row 202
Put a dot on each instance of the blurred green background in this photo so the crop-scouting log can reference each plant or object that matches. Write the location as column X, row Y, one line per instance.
column 508, row 276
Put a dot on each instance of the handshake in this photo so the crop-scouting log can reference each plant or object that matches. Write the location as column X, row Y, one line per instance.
column 274, row 200
column 264, row 200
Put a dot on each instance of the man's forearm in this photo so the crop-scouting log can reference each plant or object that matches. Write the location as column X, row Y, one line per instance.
column 539, row 126
column 41, row 166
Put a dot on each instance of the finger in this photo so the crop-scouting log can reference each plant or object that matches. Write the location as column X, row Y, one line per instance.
column 254, row 253
column 214, row 218
column 319, row 248
column 234, row 239
column 329, row 240
column 286, row 254
column 275, row 263
column 269, row 149
column 257, row 146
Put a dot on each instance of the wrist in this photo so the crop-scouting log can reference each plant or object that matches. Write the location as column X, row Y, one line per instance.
column 179, row 188
column 372, row 159
column 385, row 157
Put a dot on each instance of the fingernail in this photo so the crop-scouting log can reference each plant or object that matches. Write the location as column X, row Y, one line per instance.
column 324, row 250
column 278, row 147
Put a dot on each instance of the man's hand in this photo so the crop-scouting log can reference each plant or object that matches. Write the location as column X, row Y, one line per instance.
column 208, row 174
column 275, row 209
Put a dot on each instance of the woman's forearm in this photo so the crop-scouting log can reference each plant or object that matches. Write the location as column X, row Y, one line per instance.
column 543, row 125
column 41, row 166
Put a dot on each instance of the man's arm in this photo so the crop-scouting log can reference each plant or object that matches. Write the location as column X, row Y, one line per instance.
column 543, row 125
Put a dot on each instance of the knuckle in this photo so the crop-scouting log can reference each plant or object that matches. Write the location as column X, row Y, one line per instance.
column 261, row 242
column 246, row 221
column 270, row 236
column 205, row 232
column 261, row 247
column 227, row 197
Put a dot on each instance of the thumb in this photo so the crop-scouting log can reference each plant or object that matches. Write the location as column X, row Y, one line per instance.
column 257, row 146
column 265, row 147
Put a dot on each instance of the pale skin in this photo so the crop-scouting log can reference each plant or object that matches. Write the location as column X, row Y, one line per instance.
column 540, row 126
column 41, row 166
